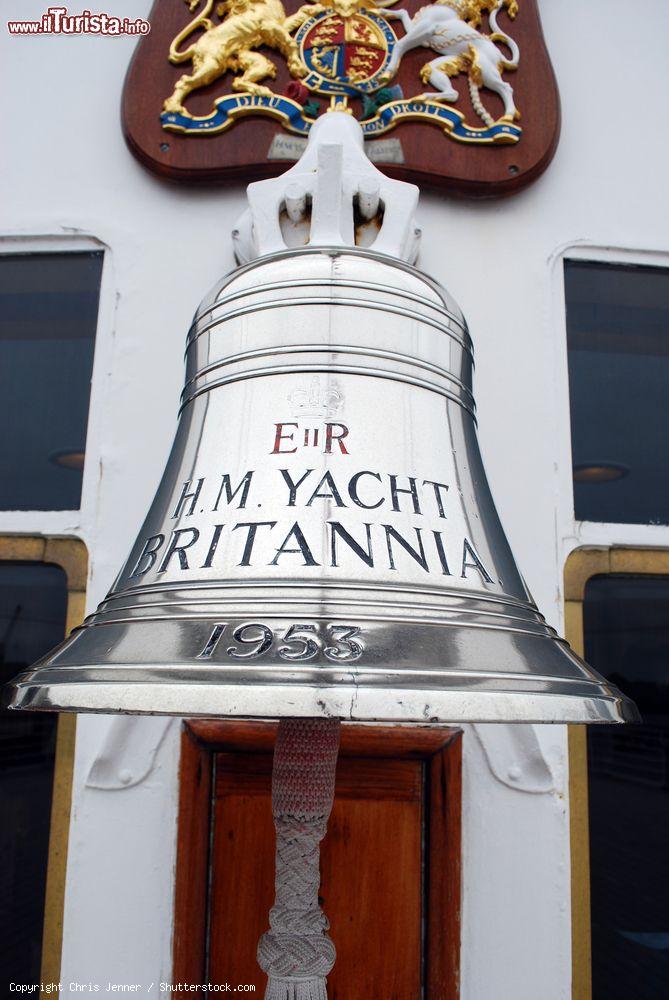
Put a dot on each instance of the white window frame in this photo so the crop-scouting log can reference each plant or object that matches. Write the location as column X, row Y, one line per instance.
column 573, row 533
column 72, row 522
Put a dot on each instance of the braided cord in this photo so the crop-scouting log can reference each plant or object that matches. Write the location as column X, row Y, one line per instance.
column 296, row 953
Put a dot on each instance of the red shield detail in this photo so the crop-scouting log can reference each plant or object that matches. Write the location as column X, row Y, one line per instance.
column 363, row 53
column 415, row 149
column 351, row 49
column 331, row 31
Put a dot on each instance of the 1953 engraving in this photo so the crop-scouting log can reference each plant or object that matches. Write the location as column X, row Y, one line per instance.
column 301, row 641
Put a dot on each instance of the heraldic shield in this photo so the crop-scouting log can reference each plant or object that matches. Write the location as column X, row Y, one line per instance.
column 456, row 93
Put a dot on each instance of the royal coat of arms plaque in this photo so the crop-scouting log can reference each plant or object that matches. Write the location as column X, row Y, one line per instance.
column 456, row 93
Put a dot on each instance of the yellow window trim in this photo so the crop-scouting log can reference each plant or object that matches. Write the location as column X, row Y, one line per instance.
column 71, row 555
column 580, row 567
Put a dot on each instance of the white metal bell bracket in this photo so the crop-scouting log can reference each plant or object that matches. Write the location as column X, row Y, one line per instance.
column 129, row 746
column 333, row 196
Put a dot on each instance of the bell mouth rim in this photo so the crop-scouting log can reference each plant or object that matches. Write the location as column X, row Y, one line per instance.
column 389, row 671
column 253, row 661
column 348, row 703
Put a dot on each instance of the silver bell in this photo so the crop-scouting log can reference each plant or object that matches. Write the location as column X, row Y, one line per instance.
column 323, row 540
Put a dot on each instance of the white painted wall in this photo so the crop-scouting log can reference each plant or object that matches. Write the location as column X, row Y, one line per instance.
column 67, row 174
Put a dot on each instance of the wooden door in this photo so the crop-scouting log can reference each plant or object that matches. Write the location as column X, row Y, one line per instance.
column 390, row 862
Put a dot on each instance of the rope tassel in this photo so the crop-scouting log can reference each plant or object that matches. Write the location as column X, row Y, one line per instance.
column 296, row 953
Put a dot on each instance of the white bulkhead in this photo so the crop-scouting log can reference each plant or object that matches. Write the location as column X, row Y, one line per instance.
column 75, row 185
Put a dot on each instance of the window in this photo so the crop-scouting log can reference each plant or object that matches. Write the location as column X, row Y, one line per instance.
column 617, row 610
column 48, row 317
column 33, row 607
column 618, row 344
column 626, row 626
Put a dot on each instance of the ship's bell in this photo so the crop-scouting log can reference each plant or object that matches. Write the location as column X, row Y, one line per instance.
column 323, row 540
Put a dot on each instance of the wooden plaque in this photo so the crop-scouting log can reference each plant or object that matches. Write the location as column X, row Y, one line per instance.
column 490, row 129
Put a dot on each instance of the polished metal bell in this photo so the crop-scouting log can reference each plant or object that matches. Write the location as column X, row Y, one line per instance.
column 324, row 540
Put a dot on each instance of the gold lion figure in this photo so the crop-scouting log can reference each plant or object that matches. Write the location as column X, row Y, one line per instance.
column 228, row 47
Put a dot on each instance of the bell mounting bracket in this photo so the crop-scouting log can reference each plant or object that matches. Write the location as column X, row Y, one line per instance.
column 333, row 196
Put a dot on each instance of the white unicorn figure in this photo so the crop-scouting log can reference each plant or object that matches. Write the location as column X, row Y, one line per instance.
column 449, row 28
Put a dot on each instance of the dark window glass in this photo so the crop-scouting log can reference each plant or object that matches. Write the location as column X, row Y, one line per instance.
column 33, row 599
column 48, row 316
column 626, row 621
column 618, row 339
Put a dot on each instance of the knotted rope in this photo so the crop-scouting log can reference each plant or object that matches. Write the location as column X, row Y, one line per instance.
column 296, row 953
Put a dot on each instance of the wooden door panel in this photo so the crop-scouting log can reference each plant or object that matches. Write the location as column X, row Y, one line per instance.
column 243, row 887
column 371, row 891
column 370, row 863
column 389, row 862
